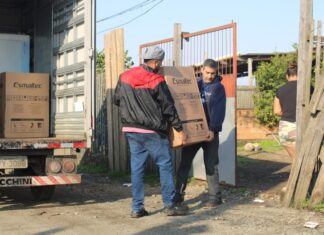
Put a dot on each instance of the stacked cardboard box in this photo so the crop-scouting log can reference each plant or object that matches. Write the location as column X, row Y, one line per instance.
column 183, row 86
column 24, row 105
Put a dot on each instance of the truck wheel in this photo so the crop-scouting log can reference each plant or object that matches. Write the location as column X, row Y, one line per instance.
column 42, row 193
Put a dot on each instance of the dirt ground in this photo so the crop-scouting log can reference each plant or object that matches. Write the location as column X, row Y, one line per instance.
column 101, row 205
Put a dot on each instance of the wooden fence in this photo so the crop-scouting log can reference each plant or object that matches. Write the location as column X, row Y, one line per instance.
column 99, row 144
column 306, row 179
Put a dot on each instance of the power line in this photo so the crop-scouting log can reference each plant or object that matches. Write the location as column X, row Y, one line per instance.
column 141, row 4
column 131, row 20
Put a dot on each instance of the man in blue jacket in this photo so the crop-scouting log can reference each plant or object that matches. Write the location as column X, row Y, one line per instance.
column 213, row 96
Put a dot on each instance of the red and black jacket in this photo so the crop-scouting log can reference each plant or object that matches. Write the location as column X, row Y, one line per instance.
column 145, row 101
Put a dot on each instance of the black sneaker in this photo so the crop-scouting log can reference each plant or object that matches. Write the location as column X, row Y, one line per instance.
column 175, row 210
column 213, row 203
column 139, row 214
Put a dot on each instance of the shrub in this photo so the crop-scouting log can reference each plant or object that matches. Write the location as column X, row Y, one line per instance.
column 269, row 77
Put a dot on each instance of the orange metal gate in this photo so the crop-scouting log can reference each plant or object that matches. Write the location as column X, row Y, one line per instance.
column 218, row 43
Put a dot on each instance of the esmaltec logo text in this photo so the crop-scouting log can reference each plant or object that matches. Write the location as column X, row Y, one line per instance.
column 181, row 81
column 27, row 85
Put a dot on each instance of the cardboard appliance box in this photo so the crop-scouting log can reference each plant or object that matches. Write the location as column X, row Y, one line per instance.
column 24, row 105
column 184, row 89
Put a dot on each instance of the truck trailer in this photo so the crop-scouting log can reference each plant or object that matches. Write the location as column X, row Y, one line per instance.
column 61, row 37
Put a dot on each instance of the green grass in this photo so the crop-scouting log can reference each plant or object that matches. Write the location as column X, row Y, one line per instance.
column 319, row 207
column 245, row 158
column 92, row 169
column 240, row 145
column 304, row 204
column 152, row 179
column 269, row 145
column 119, row 175
column 244, row 161
column 239, row 191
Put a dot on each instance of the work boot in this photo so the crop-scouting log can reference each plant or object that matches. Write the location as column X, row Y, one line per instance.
column 176, row 210
column 178, row 198
column 139, row 214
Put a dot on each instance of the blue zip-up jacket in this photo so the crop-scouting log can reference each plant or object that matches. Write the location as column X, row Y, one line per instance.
column 214, row 101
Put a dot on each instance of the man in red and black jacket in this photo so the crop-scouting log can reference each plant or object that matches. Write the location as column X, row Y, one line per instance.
column 147, row 114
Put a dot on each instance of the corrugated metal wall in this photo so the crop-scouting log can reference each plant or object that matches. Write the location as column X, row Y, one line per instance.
column 245, row 97
column 69, row 52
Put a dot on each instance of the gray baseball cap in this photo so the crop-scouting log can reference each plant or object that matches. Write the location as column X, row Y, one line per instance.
column 153, row 53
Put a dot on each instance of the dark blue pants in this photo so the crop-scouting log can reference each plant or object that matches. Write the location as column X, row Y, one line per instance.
column 211, row 166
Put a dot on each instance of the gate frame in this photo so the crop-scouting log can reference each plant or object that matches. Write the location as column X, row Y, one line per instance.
column 230, row 78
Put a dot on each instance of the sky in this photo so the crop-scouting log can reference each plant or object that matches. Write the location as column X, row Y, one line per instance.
column 263, row 26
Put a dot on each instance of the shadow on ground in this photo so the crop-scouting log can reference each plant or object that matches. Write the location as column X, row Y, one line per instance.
column 261, row 172
column 93, row 189
column 256, row 172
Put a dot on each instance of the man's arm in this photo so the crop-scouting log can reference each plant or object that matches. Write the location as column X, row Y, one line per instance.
column 277, row 107
column 217, row 108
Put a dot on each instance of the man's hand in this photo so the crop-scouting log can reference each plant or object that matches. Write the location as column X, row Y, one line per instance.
column 183, row 137
column 210, row 136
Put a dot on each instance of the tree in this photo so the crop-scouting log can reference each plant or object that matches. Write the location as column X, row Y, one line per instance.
column 128, row 60
column 269, row 77
column 100, row 64
column 100, row 61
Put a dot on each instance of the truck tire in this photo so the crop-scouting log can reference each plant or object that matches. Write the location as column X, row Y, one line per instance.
column 42, row 193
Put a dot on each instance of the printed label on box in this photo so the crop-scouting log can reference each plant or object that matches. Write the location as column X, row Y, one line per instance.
column 184, row 89
column 27, row 125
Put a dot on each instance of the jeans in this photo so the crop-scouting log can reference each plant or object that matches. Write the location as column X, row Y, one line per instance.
column 211, row 166
column 144, row 145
